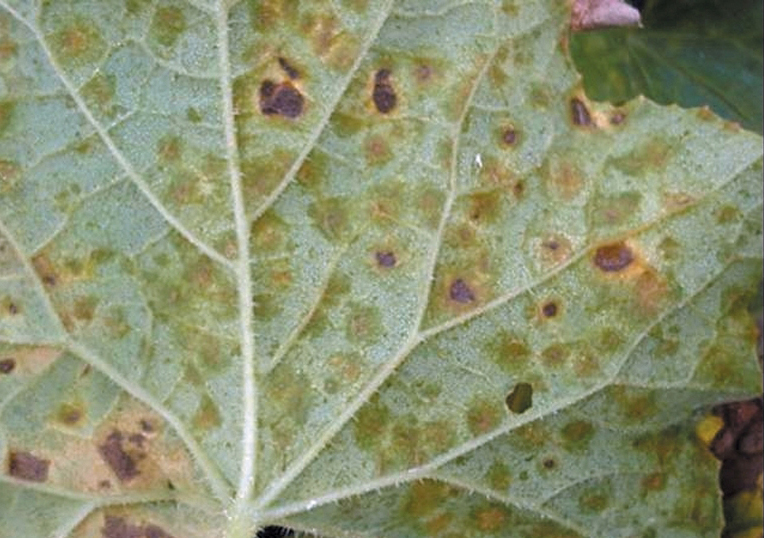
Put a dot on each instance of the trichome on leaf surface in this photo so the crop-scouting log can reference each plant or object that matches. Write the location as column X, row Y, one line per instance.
column 357, row 269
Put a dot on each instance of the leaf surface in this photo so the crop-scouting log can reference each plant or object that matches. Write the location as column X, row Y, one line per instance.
column 361, row 269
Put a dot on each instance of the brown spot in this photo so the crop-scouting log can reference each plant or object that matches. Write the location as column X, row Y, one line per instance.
column 509, row 136
column 117, row 527
column 146, row 426
column 383, row 94
column 549, row 310
column 7, row 366
column 69, row 414
column 617, row 118
column 25, row 466
column 280, row 99
column 114, row 455
column 549, row 463
column 461, row 292
column 613, row 257
column 44, row 267
column 423, row 73
column 521, row 398
column 104, row 484
column 579, row 113
column 386, row 259
column 518, row 189
column 288, row 68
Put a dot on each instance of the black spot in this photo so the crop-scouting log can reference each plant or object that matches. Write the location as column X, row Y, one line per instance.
column 509, row 136
column 7, row 366
column 580, row 113
column 282, row 99
column 549, row 463
column 461, row 292
column 114, row 455
column 521, row 398
column 549, row 309
column 383, row 95
column 289, row 69
column 613, row 257
column 386, row 259
column 274, row 531
column 25, row 466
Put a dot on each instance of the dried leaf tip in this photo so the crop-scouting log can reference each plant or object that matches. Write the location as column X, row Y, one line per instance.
column 591, row 14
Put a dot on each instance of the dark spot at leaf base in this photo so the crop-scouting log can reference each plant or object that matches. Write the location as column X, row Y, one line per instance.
column 280, row 99
column 288, row 68
column 613, row 257
column 521, row 398
column 7, row 366
column 461, row 292
column 113, row 453
column 274, row 531
column 579, row 113
column 25, row 466
column 383, row 94
column 386, row 259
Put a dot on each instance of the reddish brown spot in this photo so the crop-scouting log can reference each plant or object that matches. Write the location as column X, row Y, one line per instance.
column 117, row 527
column 383, row 94
column 386, row 259
column 579, row 113
column 7, row 366
column 613, row 257
column 288, row 69
column 549, row 309
column 280, row 99
column 121, row 462
column 25, row 466
column 461, row 292
column 509, row 136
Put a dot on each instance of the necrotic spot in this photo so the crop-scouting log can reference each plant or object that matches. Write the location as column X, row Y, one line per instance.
column 613, row 257
column 25, row 466
column 549, row 309
column 461, row 292
column 282, row 99
column 288, row 68
column 509, row 137
column 549, row 463
column 521, row 398
column 383, row 94
column 7, row 366
column 580, row 113
column 120, row 461
column 386, row 258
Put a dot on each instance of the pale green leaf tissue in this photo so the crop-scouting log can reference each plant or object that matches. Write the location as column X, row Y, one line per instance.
column 362, row 269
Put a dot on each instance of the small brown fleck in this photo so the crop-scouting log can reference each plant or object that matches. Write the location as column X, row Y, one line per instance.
column 120, row 461
column 551, row 244
column 509, row 137
column 146, row 426
column 617, row 118
column 423, row 73
column 25, row 466
column 282, row 99
column 383, row 94
column 137, row 439
column 461, row 292
column 104, row 484
column 13, row 309
column 288, row 68
column 549, row 463
column 580, row 113
column 7, row 366
column 69, row 414
column 386, row 258
column 117, row 527
column 518, row 189
column 613, row 257
column 549, row 309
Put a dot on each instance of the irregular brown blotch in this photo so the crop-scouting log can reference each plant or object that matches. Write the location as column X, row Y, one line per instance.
column 509, row 136
column 613, row 257
column 521, row 398
column 280, row 99
column 549, row 310
column 579, row 113
column 7, row 366
column 461, row 292
column 288, row 68
column 386, row 259
column 123, row 465
column 117, row 527
column 383, row 94
column 25, row 466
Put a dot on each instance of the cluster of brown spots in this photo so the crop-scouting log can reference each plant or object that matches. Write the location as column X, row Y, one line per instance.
column 579, row 113
column 117, row 527
column 123, row 462
column 613, row 257
column 520, row 399
column 460, row 292
column 386, row 259
column 26, row 466
column 280, row 99
column 288, row 68
column 7, row 365
column 383, row 93
column 549, row 309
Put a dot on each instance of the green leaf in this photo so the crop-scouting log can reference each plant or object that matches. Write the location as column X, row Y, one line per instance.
column 359, row 269
column 690, row 53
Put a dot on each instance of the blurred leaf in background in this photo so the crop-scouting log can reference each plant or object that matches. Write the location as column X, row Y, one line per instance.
column 689, row 52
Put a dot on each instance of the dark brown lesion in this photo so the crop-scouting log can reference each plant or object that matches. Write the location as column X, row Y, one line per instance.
column 509, row 136
column 7, row 365
column 579, row 113
column 386, row 258
column 26, row 466
column 122, row 463
column 613, row 257
column 461, row 292
column 288, row 68
column 281, row 99
column 549, row 309
column 383, row 95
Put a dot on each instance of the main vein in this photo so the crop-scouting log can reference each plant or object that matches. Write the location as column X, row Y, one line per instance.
column 243, row 276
